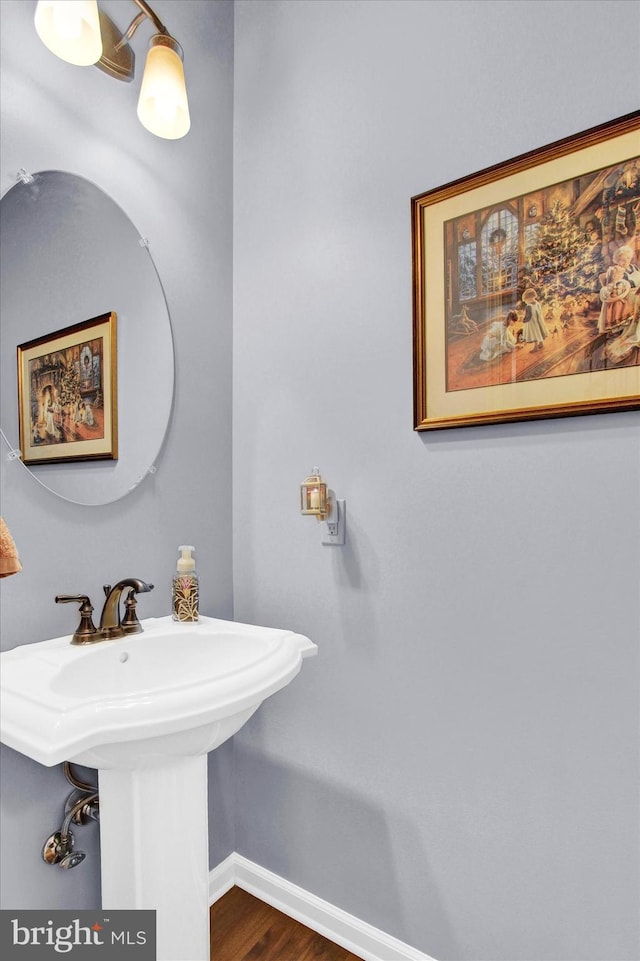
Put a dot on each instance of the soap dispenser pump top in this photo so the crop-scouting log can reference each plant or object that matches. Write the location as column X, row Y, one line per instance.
column 185, row 595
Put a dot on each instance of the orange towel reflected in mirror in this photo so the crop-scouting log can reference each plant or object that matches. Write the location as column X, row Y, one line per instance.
column 9, row 560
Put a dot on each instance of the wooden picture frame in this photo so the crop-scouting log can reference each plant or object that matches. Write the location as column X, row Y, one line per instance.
column 524, row 306
column 67, row 394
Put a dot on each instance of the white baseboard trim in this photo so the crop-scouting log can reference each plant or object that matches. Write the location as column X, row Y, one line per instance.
column 349, row 932
column 222, row 878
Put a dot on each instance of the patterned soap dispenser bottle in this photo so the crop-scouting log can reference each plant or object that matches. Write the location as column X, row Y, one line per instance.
column 185, row 595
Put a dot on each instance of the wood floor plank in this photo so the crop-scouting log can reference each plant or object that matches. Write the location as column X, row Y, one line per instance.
column 318, row 948
column 276, row 942
column 238, row 921
column 243, row 928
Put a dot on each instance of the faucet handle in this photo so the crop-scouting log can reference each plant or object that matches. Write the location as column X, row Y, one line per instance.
column 130, row 622
column 86, row 629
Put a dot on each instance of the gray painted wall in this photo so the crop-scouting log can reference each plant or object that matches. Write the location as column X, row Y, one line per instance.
column 178, row 194
column 459, row 765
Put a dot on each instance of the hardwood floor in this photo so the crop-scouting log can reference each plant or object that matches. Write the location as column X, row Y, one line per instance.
column 243, row 928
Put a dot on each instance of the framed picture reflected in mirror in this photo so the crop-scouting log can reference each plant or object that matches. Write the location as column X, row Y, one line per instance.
column 67, row 393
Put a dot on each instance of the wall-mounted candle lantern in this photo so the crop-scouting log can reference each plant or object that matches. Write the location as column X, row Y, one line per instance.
column 317, row 499
column 313, row 496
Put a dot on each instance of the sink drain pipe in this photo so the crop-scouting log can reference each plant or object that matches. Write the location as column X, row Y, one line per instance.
column 82, row 805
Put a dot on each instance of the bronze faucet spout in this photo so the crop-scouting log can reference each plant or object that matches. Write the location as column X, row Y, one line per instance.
column 110, row 623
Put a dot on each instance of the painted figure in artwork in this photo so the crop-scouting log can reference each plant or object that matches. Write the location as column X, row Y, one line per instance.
column 500, row 338
column 616, row 308
column 535, row 330
column 624, row 257
column 49, row 406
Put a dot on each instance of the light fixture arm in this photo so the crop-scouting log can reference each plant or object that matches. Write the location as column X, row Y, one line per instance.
column 146, row 13
column 146, row 9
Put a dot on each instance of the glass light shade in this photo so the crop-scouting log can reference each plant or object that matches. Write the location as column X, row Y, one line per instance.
column 313, row 495
column 162, row 106
column 70, row 29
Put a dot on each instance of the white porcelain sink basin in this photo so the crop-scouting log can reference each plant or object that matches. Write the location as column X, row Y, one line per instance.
column 174, row 690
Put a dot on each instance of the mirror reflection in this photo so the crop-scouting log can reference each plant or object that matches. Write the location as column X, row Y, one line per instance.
column 68, row 253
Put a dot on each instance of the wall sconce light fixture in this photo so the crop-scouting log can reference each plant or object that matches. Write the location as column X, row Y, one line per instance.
column 80, row 33
column 318, row 500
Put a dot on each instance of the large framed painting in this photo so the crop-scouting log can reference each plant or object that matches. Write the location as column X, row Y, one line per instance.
column 526, row 285
column 67, row 394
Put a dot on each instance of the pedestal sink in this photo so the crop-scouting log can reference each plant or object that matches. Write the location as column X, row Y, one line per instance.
column 145, row 710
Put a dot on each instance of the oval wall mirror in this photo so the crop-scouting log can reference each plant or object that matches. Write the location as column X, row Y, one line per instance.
column 69, row 253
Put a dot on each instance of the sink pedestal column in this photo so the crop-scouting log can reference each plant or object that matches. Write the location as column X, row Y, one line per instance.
column 155, row 850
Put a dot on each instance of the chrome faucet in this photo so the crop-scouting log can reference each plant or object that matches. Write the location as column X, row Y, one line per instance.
column 111, row 624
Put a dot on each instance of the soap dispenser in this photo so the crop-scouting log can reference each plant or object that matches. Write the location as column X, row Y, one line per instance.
column 185, row 595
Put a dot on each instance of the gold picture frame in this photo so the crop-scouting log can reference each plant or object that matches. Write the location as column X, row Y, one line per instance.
column 67, row 394
column 523, row 304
